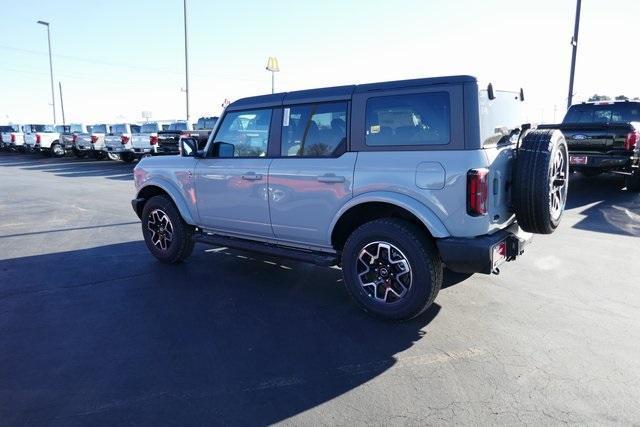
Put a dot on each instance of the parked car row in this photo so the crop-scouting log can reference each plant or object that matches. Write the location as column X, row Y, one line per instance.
column 122, row 141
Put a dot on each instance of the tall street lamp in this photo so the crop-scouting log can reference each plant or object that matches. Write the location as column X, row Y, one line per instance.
column 53, row 97
column 186, row 60
column 574, row 43
column 272, row 65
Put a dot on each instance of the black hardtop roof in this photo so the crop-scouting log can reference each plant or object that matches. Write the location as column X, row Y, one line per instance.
column 617, row 101
column 338, row 93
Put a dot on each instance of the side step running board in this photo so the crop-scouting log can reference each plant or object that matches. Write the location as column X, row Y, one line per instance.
column 317, row 258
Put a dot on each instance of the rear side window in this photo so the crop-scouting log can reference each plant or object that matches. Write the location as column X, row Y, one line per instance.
column 315, row 130
column 244, row 133
column 415, row 119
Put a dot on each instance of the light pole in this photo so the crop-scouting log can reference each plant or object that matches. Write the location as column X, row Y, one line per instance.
column 53, row 97
column 61, row 103
column 186, row 57
column 272, row 65
column 574, row 43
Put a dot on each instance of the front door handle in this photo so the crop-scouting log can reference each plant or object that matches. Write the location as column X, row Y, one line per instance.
column 252, row 176
column 331, row 178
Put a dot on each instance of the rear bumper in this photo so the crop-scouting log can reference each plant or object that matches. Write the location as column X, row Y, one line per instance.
column 475, row 255
column 603, row 161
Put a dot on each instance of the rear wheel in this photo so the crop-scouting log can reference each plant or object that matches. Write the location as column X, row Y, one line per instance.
column 391, row 269
column 632, row 182
column 541, row 181
column 57, row 150
column 167, row 236
column 113, row 156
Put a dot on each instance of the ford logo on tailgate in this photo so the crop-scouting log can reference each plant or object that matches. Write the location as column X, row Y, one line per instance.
column 580, row 137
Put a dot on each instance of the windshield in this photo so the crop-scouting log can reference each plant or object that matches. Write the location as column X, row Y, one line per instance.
column 178, row 126
column 99, row 129
column 206, row 123
column 622, row 112
column 149, row 128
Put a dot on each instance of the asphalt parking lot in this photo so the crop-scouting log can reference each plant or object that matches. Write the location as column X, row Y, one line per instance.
column 94, row 331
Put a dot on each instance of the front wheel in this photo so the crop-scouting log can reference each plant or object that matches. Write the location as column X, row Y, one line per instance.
column 391, row 269
column 166, row 234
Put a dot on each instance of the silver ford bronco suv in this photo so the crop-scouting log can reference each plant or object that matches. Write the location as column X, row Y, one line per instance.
column 390, row 181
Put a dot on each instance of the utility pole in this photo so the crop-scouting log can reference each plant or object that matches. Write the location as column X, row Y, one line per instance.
column 186, row 57
column 61, row 103
column 574, row 43
column 53, row 96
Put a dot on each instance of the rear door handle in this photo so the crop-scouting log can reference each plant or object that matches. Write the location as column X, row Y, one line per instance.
column 252, row 176
column 331, row 178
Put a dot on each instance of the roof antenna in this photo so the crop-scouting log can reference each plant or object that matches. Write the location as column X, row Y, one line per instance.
column 490, row 93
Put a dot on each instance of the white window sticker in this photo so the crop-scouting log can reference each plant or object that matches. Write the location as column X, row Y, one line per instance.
column 285, row 119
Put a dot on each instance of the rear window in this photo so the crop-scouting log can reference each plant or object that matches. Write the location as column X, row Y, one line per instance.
column 415, row 119
column 206, row 123
column 603, row 113
column 59, row 128
column 39, row 128
column 178, row 126
column 135, row 128
column 119, row 129
column 149, row 128
column 75, row 128
column 7, row 129
column 99, row 129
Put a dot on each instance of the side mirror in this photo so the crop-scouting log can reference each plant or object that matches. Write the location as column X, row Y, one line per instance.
column 188, row 147
column 224, row 149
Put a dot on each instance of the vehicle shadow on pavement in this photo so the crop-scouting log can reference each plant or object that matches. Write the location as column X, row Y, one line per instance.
column 609, row 207
column 109, row 334
column 71, row 167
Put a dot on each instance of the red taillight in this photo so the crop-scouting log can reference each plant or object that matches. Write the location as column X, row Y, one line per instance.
column 94, row 139
column 37, row 139
column 124, row 139
column 153, row 140
column 13, row 137
column 74, row 138
column 632, row 140
column 477, row 191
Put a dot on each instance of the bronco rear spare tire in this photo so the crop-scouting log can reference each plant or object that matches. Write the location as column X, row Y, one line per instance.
column 540, row 181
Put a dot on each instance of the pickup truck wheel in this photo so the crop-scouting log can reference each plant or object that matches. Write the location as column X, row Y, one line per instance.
column 391, row 269
column 113, row 156
column 57, row 150
column 166, row 234
column 632, row 182
column 541, row 181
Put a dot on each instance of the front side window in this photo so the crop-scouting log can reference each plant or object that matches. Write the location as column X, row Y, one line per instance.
column 244, row 134
column 314, row 130
column 408, row 120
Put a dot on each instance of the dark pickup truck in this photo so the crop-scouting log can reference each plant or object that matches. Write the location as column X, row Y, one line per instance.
column 169, row 140
column 604, row 137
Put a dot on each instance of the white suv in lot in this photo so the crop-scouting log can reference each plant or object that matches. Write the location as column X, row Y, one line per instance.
column 390, row 181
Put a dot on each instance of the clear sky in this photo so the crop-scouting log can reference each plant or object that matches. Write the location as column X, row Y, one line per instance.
column 118, row 58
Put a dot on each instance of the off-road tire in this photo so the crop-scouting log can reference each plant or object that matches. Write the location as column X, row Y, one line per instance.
column 182, row 243
column 632, row 182
column 423, row 258
column 532, row 180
